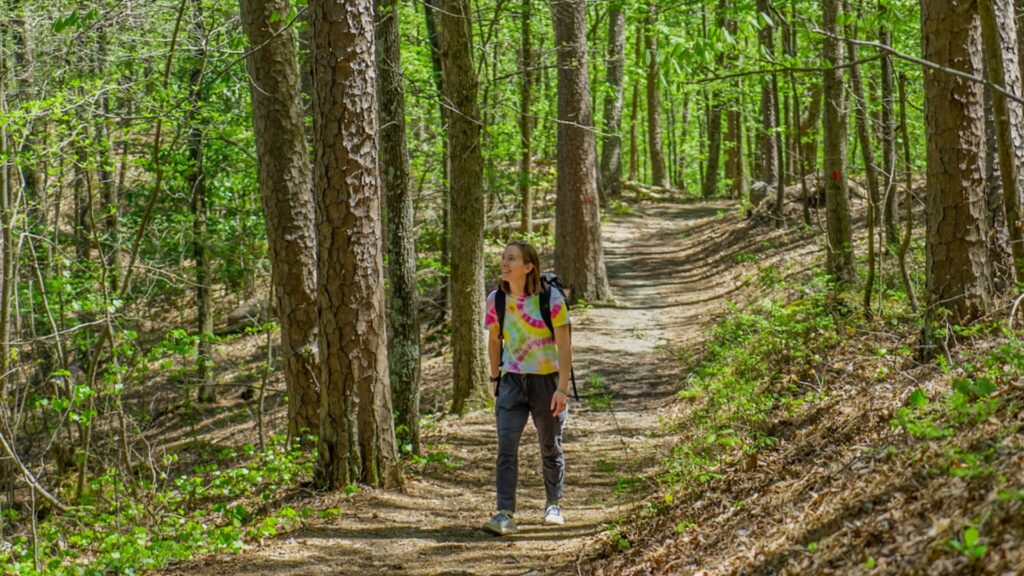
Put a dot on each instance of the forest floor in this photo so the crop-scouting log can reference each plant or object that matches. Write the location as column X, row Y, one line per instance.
column 671, row 268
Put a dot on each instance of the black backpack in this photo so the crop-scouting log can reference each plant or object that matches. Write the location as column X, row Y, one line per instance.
column 548, row 282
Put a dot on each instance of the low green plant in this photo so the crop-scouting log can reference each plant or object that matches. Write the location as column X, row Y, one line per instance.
column 599, row 399
column 969, row 544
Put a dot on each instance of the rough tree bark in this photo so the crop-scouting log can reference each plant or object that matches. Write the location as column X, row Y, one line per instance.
column 958, row 271
column 287, row 195
column 357, row 436
column 402, row 297
column 579, row 254
column 467, row 204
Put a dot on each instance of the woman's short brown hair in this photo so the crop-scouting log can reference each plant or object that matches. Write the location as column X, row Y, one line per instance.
column 530, row 256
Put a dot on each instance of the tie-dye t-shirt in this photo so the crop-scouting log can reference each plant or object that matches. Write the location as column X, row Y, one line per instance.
column 529, row 345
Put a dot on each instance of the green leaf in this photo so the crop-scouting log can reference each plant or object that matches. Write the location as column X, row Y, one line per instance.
column 918, row 399
column 61, row 24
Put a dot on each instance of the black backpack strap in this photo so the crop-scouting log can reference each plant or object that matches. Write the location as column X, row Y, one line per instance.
column 499, row 307
column 545, row 312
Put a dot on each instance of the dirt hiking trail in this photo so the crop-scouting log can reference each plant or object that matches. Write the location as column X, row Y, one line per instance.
column 671, row 267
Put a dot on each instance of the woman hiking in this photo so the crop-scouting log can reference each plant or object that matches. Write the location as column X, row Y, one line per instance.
column 529, row 369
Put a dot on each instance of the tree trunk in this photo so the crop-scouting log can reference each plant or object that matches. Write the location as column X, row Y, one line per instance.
column 809, row 128
column 402, row 297
column 868, row 155
column 611, row 148
column 196, row 182
column 780, row 157
column 797, row 152
column 840, row 237
column 734, row 154
column 467, row 204
column 768, row 154
column 526, row 75
column 357, row 437
column 958, row 270
column 432, row 18
column 110, row 201
column 579, row 255
column 681, row 156
column 659, row 176
column 287, row 196
column 6, row 252
column 999, row 34
column 634, row 148
column 1019, row 13
column 709, row 186
column 889, row 211
column 901, row 255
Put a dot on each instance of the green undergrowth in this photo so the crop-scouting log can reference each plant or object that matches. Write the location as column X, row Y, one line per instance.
column 759, row 359
column 122, row 529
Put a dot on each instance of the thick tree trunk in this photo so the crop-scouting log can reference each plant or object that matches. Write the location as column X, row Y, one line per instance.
column 659, row 176
column 579, row 254
column 287, row 195
column 357, row 436
column 611, row 148
column 840, row 237
column 958, row 270
column 402, row 297
column 467, row 204
column 999, row 34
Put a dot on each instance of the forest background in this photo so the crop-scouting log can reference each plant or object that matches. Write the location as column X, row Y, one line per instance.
column 322, row 180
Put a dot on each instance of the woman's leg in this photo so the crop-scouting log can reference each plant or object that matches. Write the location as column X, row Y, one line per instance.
column 549, row 433
column 511, row 409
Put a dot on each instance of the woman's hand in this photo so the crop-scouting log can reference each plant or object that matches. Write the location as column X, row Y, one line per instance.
column 559, row 400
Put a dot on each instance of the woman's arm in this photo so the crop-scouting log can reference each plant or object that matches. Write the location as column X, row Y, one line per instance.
column 563, row 341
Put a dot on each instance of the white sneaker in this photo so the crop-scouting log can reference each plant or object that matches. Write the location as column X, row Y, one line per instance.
column 503, row 523
column 553, row 515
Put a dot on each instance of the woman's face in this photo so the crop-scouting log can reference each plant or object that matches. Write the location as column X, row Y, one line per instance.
column 513, row 267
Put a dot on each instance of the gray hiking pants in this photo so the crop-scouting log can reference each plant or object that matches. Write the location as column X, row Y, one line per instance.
column 521, row 395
